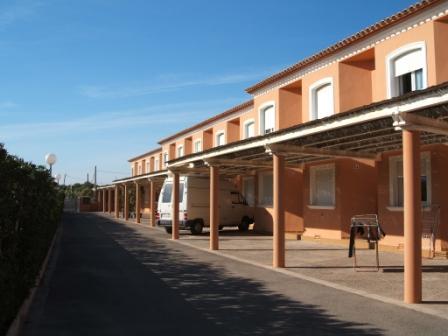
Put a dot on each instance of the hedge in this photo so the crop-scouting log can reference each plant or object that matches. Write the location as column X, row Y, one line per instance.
column 30, row 211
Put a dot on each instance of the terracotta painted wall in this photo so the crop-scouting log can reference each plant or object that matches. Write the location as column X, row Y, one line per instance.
column 308, row 80
column 355, row 83
column 293, row 203
column 233, row 130
column 289, row 107
column 392, row 220
column 420, row 33
column 441, row 50
column 207, row 136
column 355, row 193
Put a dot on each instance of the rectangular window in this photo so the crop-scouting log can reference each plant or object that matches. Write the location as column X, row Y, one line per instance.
column 249, row 130
column 396, row 181
column 268, row 118
column 322, row 185
column 249, row 190
column 139, row 169
column 147, row 167
column 220, row 139
column 197, row 146
column 265, row 189
column 180, row 151
column 165, row 159
column 167, row 191
column 156, row 164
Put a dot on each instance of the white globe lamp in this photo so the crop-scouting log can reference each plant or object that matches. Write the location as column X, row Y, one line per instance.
column 50, row 159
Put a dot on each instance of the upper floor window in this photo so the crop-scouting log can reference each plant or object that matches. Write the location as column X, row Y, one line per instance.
column 249, row 129
column 220, row 139
column 406, row 69
column 180, row 151
column 132, row 171
column 267, row 118
column 197, row 146
column 322, row 185
column 321, row 99
column 165, row 159
column 396, row 180
column 156, row 164
column 147, row 167
column 139, row 169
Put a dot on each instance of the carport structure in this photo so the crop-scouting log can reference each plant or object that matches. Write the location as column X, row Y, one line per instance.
column 402, row 123
column 123, row 187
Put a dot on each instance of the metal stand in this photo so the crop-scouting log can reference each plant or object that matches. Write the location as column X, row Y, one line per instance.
column 369, row 226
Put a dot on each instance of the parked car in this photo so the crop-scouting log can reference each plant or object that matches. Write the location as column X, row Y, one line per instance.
column 194, row 205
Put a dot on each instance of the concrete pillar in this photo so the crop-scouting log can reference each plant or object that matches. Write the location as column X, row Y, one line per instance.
column 279, row 212
column 137, row 202
column 214, row 208
column 412, row 217
column 117, row 201
column 152, row 202
column 109, row 201
column 175, row 207
column 126, row 203
column 104, row 199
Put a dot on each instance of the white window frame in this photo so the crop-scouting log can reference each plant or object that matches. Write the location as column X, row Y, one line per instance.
column 148, row 167
column 180, row 151
column 390, row 59
column 139, row 167
column 132, row 171
column 200, row 146
column 312, row 96
column 261, row 109
column 313, row 170
column 245, row 125
column 393, row 176
column 261, row 203
column 218, row 134
column 156, row 164
column 165, row 154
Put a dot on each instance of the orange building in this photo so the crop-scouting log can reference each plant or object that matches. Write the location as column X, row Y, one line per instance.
column 356, row 128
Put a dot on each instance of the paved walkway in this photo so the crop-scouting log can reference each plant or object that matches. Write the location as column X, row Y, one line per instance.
column 110, row 278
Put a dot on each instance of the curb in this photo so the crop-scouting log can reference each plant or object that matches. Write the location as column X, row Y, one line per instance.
column 16, row 326
column 415, row 307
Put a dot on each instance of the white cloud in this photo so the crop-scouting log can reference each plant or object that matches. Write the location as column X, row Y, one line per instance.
column 18, row 11
column 167, row 83
column 154, row 116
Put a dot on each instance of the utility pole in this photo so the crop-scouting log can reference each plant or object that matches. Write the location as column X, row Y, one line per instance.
column 94, row 183
column 65, row 176
column 88, row 178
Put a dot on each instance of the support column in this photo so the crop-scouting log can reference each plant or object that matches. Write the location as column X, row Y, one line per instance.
column 137, row 203
column 109, row 201
column 104, row 199
column 117, row 201
column 175, row 207
column 152, row 202
column 126, row 203
column 412, row 217
column 279, row 212
column 214, row 208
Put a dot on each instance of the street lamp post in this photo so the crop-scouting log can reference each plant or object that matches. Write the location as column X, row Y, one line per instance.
column 50, row 159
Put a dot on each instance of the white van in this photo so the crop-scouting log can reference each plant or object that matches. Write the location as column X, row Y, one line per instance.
column 194, row 205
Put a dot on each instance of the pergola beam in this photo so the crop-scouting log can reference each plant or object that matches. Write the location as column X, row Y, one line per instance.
column 238, row 163
column 300, row 150
column 409, row 121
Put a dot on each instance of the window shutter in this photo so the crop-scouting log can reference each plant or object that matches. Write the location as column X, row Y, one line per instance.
column 269, row 119
column 408, row 62
column 324, row 101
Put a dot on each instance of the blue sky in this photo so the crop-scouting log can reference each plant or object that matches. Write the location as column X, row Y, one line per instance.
column 99, row 81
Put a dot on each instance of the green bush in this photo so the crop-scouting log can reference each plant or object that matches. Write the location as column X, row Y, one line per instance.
column 30, row 211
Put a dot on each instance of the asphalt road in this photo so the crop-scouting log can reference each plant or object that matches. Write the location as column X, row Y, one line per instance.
column 107, row 278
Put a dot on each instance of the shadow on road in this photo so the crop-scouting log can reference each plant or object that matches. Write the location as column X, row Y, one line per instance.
column 240, row 306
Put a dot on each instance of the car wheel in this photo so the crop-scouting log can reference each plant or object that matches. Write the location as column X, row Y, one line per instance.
column 244, row 225
column 196, row 227
column 169, row 230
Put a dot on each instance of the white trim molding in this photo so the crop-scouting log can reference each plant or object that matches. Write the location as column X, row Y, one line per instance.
column 218, row 133
column 261, row 121
column 313, row 115
column 245, row 124
column 392, row 56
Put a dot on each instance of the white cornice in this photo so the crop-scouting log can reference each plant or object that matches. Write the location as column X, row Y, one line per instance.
column 425, row 16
